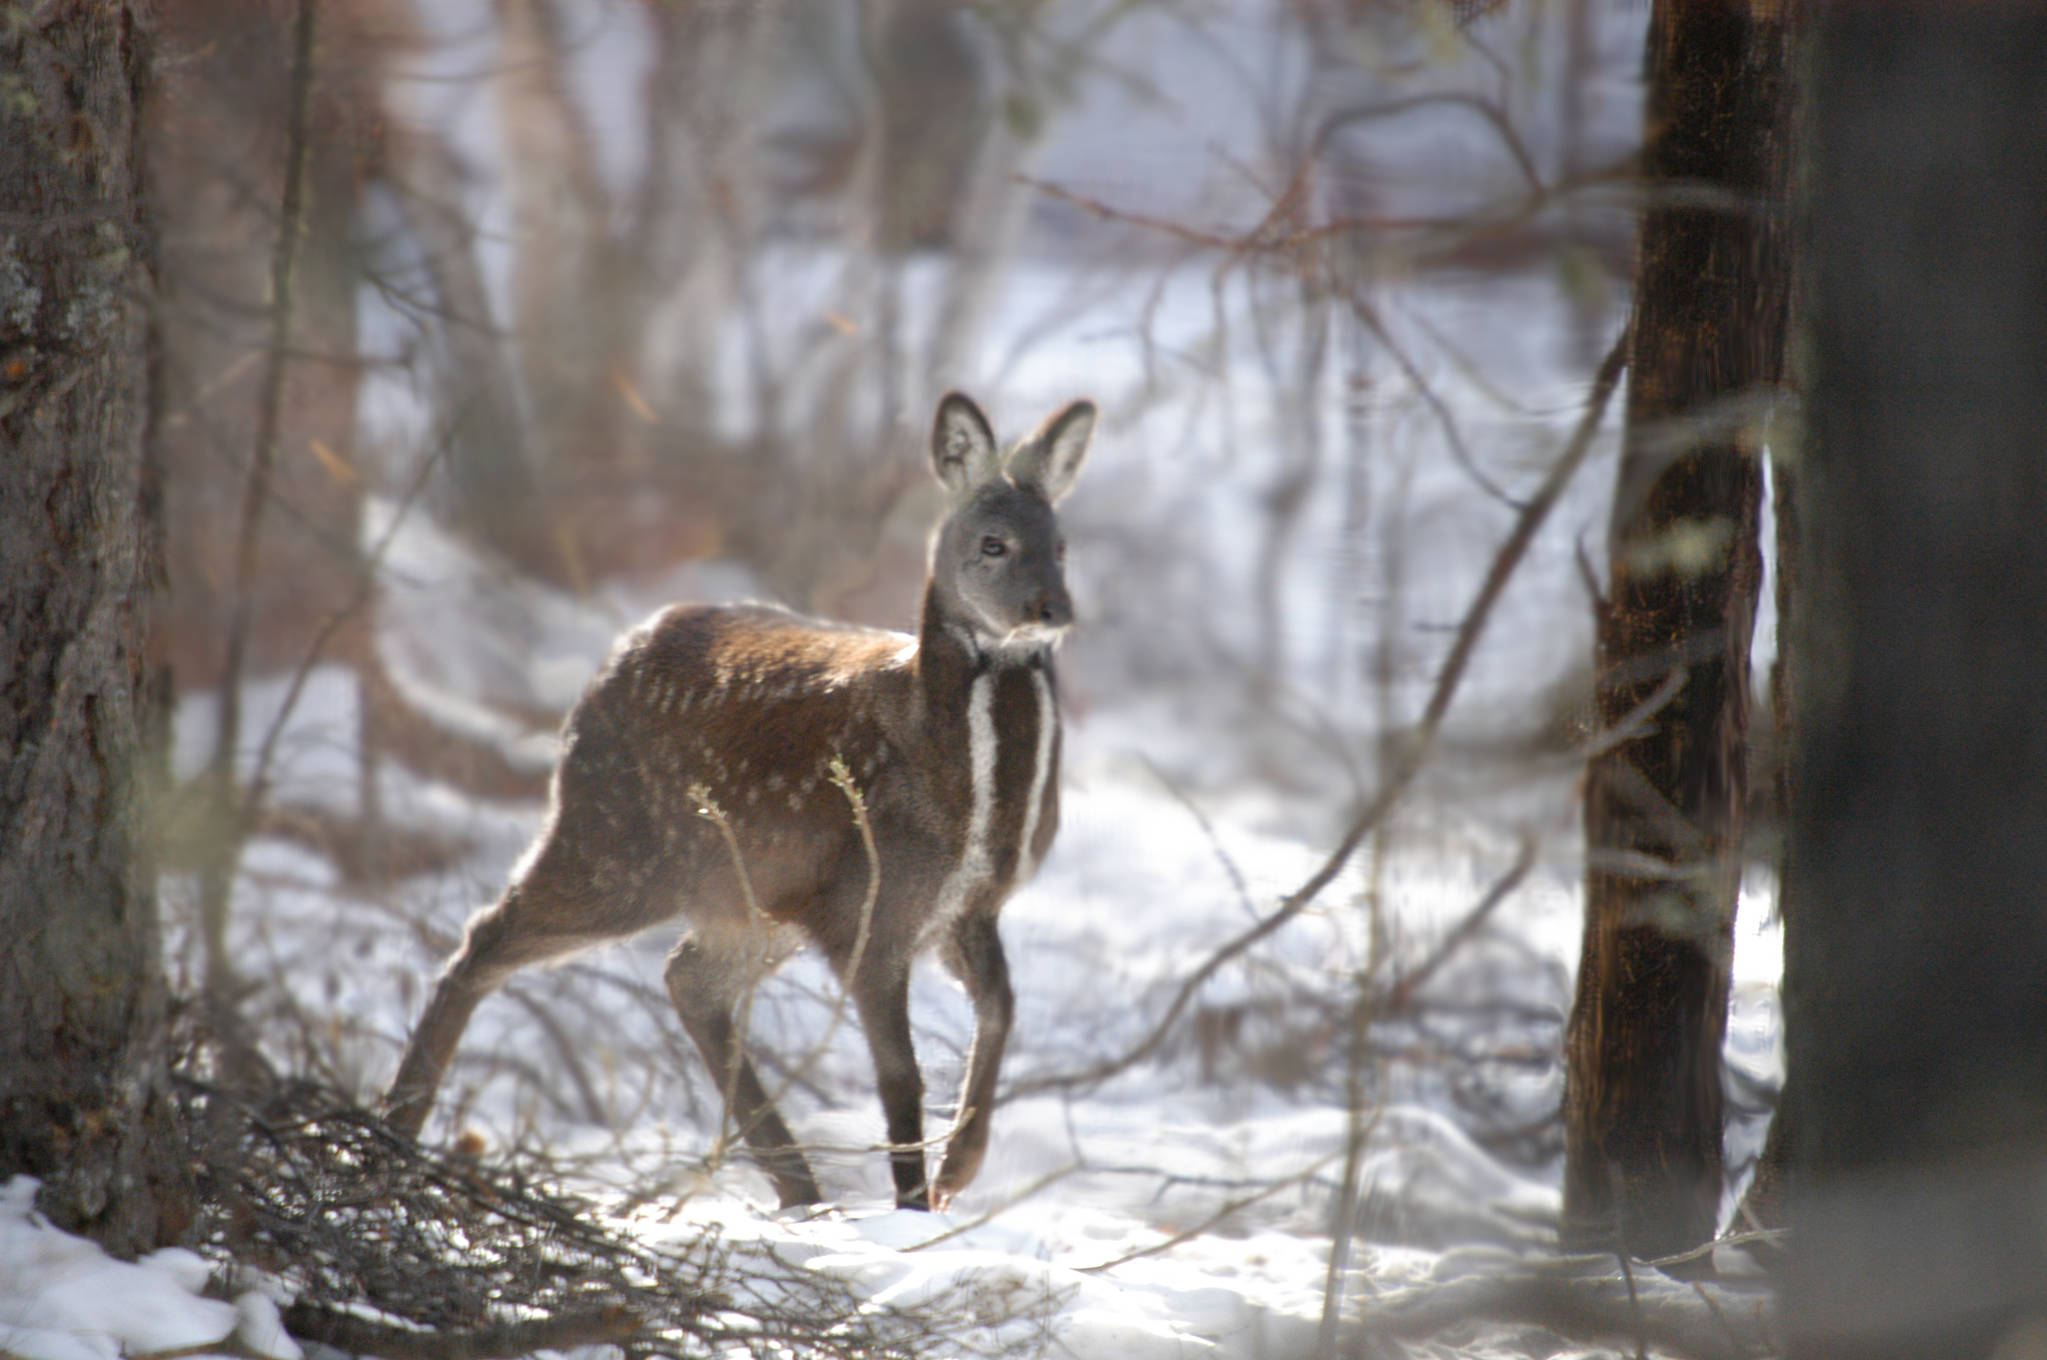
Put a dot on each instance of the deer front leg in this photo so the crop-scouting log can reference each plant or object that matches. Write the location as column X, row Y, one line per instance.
column 975, row 956
column 701, row 984
column 882, row 994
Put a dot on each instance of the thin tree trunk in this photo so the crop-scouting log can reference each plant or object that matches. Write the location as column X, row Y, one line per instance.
column 83, row 1065
column 492, row 486
column 221, row 856
column 1663, row 804
column 568, row 333
column 1916, row 955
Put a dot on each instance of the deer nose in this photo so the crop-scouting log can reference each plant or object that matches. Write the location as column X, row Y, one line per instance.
column 1052, row 608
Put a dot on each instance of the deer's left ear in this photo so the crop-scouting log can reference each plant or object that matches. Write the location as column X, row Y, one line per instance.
column 963, row 452
column 1050, row 458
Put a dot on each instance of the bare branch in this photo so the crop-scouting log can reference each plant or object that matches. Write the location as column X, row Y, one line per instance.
column 1417, row 748
column 1368, row 317
column 1266, row 1191
column 1491, row 112
column 353, row 1334
column 1404, row 990
column 366, row 579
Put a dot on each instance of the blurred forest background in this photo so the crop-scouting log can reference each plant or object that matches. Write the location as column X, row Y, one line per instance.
column 646, row 300
column 1418, row 899
column 487, row 326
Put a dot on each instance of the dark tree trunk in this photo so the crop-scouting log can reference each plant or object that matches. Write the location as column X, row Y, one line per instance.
column 1663, row 802
column 83, row 1088
column 1916, row 960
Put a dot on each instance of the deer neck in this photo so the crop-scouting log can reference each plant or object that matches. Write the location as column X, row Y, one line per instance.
column 994, row 711
column 951, row 655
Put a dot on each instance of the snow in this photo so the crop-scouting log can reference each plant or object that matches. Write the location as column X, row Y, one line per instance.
column 62, row 1298
column 1066, row 1243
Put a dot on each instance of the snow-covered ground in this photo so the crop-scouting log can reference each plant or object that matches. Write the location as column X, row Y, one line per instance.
column 1184, row 1206
column 1070, row 1229
column 1070, row 1232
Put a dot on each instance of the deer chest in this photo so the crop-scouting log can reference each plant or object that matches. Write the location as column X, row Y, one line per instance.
column 1011, row 793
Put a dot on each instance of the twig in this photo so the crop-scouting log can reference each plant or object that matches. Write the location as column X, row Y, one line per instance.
column 1269, row 243
column 565, row 1052
column 461, row 1260
column 1215, row 845
column 1369, row 318
column 1189, row 1234
column 1634, row 1307
column 259, row 776
column 1358, row 1127
column 1409, row 762
column 352, row 1334
column 1775, row 1237
column 1487, row 109
column 1043, row 1182
column 1637, row 718
column 1366, row 1009
column 1179, row 231
column 1719, row 1313
column 1404, row 990
column 842, row 779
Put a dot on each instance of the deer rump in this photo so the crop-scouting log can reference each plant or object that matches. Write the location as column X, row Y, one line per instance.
column 777, row 780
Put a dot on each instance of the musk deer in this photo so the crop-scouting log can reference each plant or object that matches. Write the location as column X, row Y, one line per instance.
column 709, row 772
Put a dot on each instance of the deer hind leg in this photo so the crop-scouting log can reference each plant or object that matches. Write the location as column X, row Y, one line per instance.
column 974, row 954
column 496, row 944
column 706, row 983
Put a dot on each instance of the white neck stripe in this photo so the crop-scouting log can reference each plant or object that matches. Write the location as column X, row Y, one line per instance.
column 1041, row 770
column 974, row 865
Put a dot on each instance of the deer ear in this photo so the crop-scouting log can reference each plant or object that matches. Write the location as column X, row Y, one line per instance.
column 962, row 446
column 1051, row 457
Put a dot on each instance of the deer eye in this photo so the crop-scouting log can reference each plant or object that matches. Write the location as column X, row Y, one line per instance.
column 992, row 546
column 1059, row 551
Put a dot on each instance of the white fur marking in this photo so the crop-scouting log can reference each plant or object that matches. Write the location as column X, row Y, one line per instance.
column 1041, row 770
column 974, row 866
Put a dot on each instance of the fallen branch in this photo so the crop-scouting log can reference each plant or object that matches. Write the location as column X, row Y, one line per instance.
column 401, row 1252
column 353, row 1334
column 1640, row 1309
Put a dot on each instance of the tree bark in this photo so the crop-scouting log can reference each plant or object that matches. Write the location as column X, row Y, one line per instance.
column 1663, row 800
column 1916, row 960
column 83, row 1065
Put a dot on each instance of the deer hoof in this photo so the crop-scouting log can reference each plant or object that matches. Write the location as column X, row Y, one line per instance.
column 962, row 1163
